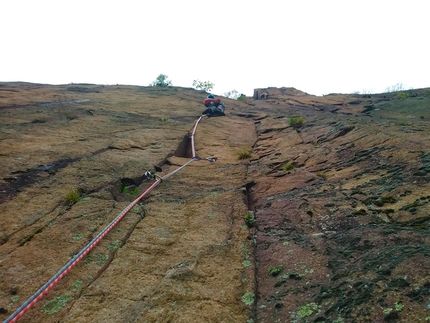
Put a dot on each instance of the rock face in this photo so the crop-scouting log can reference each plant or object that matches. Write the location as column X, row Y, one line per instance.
column 342, row 209
column 326, row 221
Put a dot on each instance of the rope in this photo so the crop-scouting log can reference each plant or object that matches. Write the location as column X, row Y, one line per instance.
column 63, row 271
column 192, row 135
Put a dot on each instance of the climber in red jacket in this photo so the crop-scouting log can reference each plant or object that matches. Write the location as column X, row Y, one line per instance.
column 214, row 106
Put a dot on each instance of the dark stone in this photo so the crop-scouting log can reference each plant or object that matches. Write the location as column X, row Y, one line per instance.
column 392, row 317
column 360, row 212
column 398, row 283
column 384, row 272
column 378, row 202
column 329, row 204
column 3, row 310
column 278, row 305
column 280, row 282
column 420, row 173
column 294, row 276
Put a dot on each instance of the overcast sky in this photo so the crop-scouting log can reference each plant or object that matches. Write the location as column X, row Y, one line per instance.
column 316, row 46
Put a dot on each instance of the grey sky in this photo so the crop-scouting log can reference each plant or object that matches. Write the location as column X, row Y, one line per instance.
column 317, row 46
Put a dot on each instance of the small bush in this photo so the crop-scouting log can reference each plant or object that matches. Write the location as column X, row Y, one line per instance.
column 288, row 166
column 274, row 271
column 307, row 310
column 72, row 195
column 395, row 88
column 296, row 122
column 161, row 80
column 203, row 85
column 248, row 298
column 250, row 220
column 244, row 154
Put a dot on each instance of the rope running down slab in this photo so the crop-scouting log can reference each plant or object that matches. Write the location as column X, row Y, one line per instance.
column 78, row 257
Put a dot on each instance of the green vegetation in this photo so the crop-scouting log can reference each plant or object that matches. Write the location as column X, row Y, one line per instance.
column 288, row 166
column 83, row 200
column 274, row 271
column 296, row 122
column 250, row 220
column 76, row 285
column 244, row 154
column 399, row 306
column 203, row 85
column 387, row 310
column 401, row 111
column 72, row 195
column 245, row 251
column 78, row 237
column 99, row 258
column 248, row 298
column 246, row 263
column 114, row 245
column 128, row 191
column 15, row 298
column 162, row 81
column 56, row 305
column 402, row 95
column 307, row 310
column 299, row 272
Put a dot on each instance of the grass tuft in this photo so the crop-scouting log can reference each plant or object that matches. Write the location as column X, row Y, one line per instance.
column 296, row 122
column 244, row 154
column 274, row 271
column 250, row 220
column 288, row 166
column 72, row 195
column 56, row 305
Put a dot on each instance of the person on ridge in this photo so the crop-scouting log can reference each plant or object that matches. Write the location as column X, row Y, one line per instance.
column 214, row 106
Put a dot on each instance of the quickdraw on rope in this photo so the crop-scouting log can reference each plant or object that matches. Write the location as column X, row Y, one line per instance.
column 63, row 271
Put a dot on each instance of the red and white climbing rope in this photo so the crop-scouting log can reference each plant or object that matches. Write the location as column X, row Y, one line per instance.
column 63, row 271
